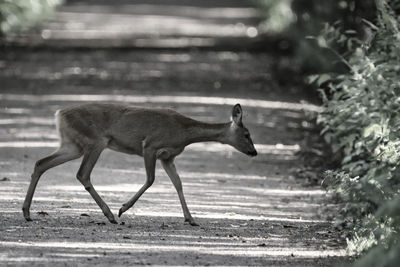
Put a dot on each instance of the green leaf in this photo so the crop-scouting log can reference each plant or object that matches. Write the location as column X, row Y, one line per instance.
column 373, row 129
column 321, row 41
column 323, row 78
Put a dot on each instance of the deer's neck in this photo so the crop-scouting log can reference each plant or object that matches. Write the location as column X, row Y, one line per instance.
column 205, row 132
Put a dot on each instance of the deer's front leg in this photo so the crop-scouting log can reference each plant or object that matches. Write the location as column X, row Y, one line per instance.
column 169, row 167
column 149, row 156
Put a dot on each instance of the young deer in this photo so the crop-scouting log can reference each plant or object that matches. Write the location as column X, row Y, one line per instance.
column 86, row 130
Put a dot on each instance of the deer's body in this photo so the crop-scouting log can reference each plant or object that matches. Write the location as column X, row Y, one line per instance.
column 130, row 129
column 88, row 129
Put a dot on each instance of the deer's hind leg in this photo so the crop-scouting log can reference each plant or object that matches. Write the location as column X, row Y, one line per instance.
column 66, row 152
column 90, row 158
column 150, row 165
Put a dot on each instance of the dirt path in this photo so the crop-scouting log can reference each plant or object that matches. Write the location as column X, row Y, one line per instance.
column 250, row 211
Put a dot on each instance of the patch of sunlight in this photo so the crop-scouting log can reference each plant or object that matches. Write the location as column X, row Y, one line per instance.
column 188, row 247
column 278, row 149
column 34, row 120
column 286, row 192
column 22, row 144
column 19, row 259
column 36, row 135
column 9, row 189
column 16, row 110
column 227, row 176
column 84, row 199
column 214, row 207
column 174, row 57
column 140, row 171
column 230, row 216
column 204, row 100
column 10, row 173
column 263, row 205
column 173, row 10
column 174, row 42
column 74, row 255
column 187, row 175
column 227, row 238
column 58, row 227
column 8, row 196
column 119, row 25
column 106, row 188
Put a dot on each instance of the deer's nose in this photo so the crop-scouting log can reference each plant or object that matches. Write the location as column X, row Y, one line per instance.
column 252, row 153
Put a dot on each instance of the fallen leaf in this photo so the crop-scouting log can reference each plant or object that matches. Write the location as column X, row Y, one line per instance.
column 43, row 213
column 289, row 226
column 85, row 215
column 5, row 179
column 261, row 245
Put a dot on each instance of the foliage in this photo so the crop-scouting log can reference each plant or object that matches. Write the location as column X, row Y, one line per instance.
column 362, row 121
column 279, row 15
column 21, row 14
column 295, row 19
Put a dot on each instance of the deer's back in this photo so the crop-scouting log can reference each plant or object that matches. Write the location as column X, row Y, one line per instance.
column 120, row 127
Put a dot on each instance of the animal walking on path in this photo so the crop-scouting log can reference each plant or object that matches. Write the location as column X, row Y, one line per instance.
column 86, row 130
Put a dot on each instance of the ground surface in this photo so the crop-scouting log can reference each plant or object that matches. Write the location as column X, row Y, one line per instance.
column 251, row 211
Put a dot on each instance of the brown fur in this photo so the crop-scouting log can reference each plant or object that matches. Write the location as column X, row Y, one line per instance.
column 152, row 133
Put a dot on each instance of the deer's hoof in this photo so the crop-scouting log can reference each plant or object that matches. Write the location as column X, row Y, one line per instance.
column 191, row 222
column 113, row 221
column 120, row 212
column 28, row 219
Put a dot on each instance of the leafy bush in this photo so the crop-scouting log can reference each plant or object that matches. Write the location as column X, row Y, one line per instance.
column 21, row 14
column 362, row 121
column 295, row 19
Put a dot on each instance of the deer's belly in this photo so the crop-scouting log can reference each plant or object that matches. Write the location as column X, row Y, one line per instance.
column 125, row 148
column 168, row 152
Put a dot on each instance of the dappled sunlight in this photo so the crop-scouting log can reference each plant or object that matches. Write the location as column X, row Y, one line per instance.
column 183, row 247
column 32, row 135
column 161, row 25
column 160, row 189
column 209, row 214
column 255, row 103
column 278, row 149
column 15, row 111
column 28, row 120
column 51, row 199
column 32, row 144
column 119, row 26
column 104, row 188
column 285, row 151
column 170, row 9
column 250, row 210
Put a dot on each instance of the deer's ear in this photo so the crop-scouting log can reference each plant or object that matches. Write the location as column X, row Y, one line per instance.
column 237, row 114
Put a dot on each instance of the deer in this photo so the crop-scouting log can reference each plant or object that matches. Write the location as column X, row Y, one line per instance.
column 152, row 133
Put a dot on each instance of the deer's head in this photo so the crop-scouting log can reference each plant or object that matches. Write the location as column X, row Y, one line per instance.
column 239, row 136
